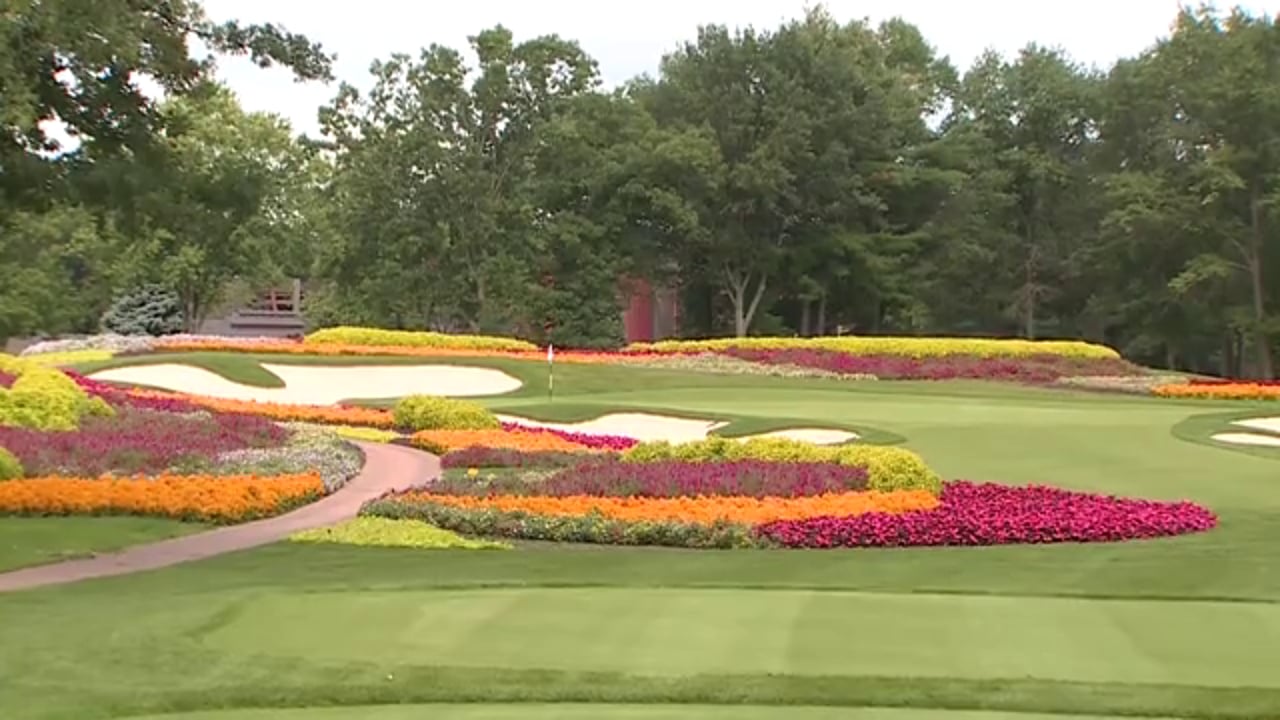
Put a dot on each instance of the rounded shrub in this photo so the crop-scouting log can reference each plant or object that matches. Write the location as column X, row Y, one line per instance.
column 10, row 468
column 43, row 398
column 888, row 468
column 428, row 412
column 147, row 310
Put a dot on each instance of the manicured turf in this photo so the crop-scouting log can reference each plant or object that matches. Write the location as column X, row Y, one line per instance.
column 565, row 711
column 35, row 541
column 1184, row 627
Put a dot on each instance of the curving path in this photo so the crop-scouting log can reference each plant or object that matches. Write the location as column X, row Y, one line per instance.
column 386, row 468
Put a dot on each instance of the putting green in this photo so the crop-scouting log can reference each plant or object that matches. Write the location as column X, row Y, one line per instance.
column 605, row 712
column 689, row 632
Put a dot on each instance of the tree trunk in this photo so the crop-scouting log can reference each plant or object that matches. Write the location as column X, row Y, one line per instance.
column 743, row 311
column 1266, row 364
column 805, row 304
column 822, row 315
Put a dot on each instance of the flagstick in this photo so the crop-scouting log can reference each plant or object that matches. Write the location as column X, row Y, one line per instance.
column 551, row 374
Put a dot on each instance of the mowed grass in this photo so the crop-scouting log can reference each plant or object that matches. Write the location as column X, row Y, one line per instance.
column 35, row 541
column 1183, row 627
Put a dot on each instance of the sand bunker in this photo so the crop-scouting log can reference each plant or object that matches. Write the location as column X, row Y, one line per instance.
column 1271, row 425
column 1248, row 439
column 651, row 428
column 323, row 385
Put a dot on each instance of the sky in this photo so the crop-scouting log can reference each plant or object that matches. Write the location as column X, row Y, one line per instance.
column 629, row 38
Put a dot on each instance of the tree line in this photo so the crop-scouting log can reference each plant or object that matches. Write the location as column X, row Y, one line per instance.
column 812, row 178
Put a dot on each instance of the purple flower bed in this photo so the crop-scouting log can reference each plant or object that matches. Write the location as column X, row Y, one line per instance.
column 1034, row 369
column 7, row 380
column 616, row 443
column 487, row 457
column 990, row 514
column 138, row 441
column 675, row 478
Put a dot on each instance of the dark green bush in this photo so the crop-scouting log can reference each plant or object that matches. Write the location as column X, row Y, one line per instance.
column 146, row 310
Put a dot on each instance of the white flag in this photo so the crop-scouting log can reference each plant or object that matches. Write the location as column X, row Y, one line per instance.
column 551, row 354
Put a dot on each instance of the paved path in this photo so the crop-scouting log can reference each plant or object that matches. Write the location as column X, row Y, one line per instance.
column 387, row 467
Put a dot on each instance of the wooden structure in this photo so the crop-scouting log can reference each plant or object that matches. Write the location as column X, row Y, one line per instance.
column 651, row 314
column 276, row 312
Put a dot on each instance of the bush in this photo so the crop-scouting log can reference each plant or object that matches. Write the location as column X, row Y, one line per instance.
column 44, row 398
column 10, row 468
column 888, row 468
column 406, row 338
column 916, row 347
column 148, row 310
column 428, row 412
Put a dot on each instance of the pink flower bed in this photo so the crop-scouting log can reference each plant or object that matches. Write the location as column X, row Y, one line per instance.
column 487, row 457
column 137, row 441
column 1035, row 369
column 595, row 442
column 6, row 380
column 990, row 514
column 117, row 397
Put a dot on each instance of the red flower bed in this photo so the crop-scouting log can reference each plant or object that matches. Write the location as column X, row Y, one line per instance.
column 119, row 397
column 594, row 442
column 6, row 380
column 1035, row 368
column 989, row 514
column 137, row 441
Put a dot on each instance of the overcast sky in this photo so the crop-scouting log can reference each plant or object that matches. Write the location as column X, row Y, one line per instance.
column 628, row 38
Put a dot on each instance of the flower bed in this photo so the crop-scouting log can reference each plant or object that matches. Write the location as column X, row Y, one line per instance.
column 487, row 457
column 404, row 338
column 309, row 450
column 988, row 514
column 1220, row 391
column 44, row 398
column 7, row 380
column 195, row 498
column 441, row 442
column 915, row 347
column 587, row 440
column 1030, row 368
column 138, row 441
column 382, row 532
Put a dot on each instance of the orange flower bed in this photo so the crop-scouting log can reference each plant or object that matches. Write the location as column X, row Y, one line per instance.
column 289, row 347
column 1219, row 391
column 700, row 510
column 440, row 442
column 325, row 414
column 220, row 499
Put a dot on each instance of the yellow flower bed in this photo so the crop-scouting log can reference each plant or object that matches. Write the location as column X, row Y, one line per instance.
column 916, row 347
column 377, row 337
column 70, row 357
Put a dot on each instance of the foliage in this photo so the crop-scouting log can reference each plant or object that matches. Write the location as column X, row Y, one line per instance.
column 44, row 398
column 1032, row 368
column 888, row 468
column 146, row 310
column 205, row 498
column 1219, row 391
column 428, row 412
column 910, row 347
column 478, row 456
column 990, row 514
column 375, row 337
column 72, row 357
column 383, row 532
column 441, row 442
column 10, row 466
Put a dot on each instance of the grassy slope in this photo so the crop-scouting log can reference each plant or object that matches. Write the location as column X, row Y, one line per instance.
column 33, row 541
column 976, row 625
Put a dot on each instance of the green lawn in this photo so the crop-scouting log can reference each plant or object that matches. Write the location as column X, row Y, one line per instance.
column 35, row 541
column 1184, row 627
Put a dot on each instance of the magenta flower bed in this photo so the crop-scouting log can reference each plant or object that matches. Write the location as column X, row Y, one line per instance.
column 675, row 478
column 487, row 457
column 6, row 380
column 1035, row 369
column 117, row 397
column 595, row 442
column 138, row 441
column 989, row 514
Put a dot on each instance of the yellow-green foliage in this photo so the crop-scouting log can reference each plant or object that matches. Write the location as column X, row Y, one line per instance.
column 367, row 434
column 916, row 347
column 70, row 357
column 415, row 339
column 385, row 532
column 888, row 468
column 428, row 412
column 10, row 468
column 44, row 398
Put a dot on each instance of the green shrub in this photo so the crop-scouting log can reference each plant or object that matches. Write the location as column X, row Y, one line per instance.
column 428, row 412
column 415, row 339
column 44, row 398
column 10, row 468
column 888, row 468
column 146, row 310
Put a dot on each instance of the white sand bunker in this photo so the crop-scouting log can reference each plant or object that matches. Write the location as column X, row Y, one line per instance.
column 1271, row 425
column 653, row 428
column 1248, row 439
column 323, row 385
